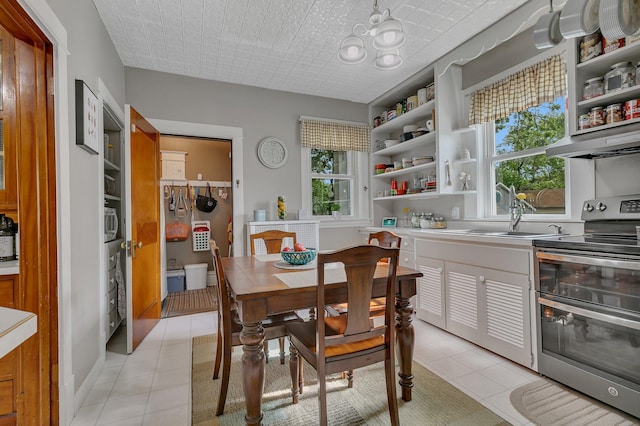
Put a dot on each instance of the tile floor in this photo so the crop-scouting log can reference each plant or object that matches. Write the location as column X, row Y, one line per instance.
column 152, row 385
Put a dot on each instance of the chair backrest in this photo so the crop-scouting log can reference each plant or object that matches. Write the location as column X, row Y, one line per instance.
column 360, row 264
column 385, row 239
column 272, row 239
column 224, row 299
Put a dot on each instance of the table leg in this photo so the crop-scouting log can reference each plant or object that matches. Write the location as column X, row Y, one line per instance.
column 405, row 339
column 253, row 364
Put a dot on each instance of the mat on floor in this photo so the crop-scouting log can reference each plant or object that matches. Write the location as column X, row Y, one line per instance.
column 189, row 302
column 546, row 402
column 435, row 402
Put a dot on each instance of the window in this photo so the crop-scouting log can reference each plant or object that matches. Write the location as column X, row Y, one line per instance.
column 335, row 158
column 516, row 156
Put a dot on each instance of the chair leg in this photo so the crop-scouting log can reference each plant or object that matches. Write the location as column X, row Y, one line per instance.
column 322, row 395
column 392, row 400
column 266, row 350
column 301, row 374
column 350, row 379
column 216, row 368
column 224, row 387
column 282, row 355
column 294, row 370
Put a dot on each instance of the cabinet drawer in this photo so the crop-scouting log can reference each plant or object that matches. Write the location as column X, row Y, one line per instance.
column 407, row 244
column 407, row 258
column 500, row 258
column 111, row 279
column 8, row 291
column 113, row 250
column 7, row 398
column 112, row 300
column 114, row 321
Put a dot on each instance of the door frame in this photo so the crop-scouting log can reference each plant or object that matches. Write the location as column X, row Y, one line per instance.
column 211, row 131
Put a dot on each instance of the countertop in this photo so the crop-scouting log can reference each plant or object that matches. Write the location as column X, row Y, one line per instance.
column 10, row 268
column 15, row 327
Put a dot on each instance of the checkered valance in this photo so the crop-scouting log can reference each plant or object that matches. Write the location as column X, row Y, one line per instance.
column 335, row 136
column 532, row 86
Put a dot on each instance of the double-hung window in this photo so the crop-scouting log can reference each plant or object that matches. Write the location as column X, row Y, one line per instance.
column 334, row 164
column 522, row 115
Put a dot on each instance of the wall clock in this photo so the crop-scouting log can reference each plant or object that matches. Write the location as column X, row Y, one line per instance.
column 272, row 152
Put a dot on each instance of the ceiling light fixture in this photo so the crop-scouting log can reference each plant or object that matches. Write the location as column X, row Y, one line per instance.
column 388, row 37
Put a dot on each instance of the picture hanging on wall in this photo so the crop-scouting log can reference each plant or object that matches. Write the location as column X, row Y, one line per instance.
column 87, row 111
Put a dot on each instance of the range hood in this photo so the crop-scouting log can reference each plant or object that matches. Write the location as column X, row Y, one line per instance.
column 599, row 144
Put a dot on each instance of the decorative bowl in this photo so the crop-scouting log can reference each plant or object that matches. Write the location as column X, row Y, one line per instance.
column 299, row 257
column 391, row 142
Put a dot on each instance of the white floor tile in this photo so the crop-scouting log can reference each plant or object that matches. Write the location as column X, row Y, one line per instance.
column 129, row 386
column 448, row 368
column 501, row 404
column 172, row 378
column 168, row 398
column 173, row 417
column 88, row 415
column 99, row 393
column 478, row 385
column 505, row 376
column 123, row 409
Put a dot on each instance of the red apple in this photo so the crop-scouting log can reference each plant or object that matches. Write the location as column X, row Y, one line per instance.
column 299, row 247
column 286, row 249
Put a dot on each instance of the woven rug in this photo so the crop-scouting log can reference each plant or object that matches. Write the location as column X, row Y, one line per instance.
column 545, row 402
column 189, row 302
column 434, row 402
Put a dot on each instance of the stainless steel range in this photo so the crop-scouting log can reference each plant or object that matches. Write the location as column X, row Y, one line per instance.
column 588, row 314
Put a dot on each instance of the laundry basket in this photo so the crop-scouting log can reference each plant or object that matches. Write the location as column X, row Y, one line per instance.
column 201, row 230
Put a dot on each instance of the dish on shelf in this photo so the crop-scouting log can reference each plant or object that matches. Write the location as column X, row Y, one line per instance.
column 391, row 142
column 417, row 161
column 406, row 136
column 401, row 191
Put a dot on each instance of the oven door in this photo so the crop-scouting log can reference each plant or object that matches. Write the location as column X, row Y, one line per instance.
column 589, row 324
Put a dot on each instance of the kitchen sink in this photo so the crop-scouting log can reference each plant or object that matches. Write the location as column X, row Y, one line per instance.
column 518, row 234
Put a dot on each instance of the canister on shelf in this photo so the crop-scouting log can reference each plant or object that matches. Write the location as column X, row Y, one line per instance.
column 383, row 117
column 593, row 87
column 590, row 46
column 400, row 108
column 412, row 102
column 583, row 122
column 391, row 114
column 632, row 109
column 596, row 117
column 609, row 46
column 376, row 121
column 621, row 76
column 613, row 113
column 422, row 96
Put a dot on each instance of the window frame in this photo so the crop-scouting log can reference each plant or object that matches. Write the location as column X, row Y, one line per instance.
column 357, row 165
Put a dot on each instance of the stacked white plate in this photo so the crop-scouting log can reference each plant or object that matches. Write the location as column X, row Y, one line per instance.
column 619, row 18
column 579, row 18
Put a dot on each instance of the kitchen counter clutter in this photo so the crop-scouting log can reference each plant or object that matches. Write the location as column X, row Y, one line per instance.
column 15, row 327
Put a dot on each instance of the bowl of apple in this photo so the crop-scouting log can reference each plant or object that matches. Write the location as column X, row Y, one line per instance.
column 298, row 255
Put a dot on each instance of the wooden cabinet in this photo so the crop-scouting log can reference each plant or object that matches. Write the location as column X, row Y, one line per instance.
column 8, row 124
column 478, row 292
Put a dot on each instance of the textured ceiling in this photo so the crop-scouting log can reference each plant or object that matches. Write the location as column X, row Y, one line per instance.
column 288, row 45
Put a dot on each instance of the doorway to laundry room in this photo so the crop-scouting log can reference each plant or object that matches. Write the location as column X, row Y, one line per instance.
column 197, row 202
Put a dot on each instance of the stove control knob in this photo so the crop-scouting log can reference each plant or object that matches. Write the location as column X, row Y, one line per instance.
column 588, row 207
column 601, row 206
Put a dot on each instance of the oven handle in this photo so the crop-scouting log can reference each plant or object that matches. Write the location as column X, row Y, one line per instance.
column 588, row 260
column 622, row 322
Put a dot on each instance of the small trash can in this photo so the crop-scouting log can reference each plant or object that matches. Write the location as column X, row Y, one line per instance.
column 212, row 279
column 196, row 275
column 175, row 280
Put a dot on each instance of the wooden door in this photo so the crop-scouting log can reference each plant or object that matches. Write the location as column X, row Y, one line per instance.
column 142, row 180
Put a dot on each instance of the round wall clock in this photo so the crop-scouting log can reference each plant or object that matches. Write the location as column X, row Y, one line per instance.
column 272, row 152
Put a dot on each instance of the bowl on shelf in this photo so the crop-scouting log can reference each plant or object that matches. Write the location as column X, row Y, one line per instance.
column 401, row 191
column 422, row 160
column 406, row 136
column 299, row 257
column 391, row 142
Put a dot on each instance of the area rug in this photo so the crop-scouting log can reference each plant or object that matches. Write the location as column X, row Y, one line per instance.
column 545, row 402
column 435, row 402
column 189, row 302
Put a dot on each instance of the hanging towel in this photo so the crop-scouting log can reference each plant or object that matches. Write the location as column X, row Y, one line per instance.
column 122, row 294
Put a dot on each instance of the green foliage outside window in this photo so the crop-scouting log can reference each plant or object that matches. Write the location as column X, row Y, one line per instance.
column 330, row 193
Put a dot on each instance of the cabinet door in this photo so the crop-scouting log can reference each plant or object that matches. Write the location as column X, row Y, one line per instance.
column 462, row 300
column 430, row 291
column 505, row 315
column 8, row 126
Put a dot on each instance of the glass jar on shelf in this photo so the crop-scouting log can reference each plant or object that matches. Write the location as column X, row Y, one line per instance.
column 593, row 87
column 621, row 76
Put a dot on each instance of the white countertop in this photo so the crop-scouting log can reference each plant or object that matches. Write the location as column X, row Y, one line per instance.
column 15, row 327
column 10, row 268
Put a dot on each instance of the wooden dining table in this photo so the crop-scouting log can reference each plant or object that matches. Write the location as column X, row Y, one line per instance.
column 263, row 285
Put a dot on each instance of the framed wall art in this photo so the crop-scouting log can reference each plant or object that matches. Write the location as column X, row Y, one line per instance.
column 87, row 110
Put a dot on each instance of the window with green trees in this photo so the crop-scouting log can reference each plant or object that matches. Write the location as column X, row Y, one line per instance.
column 517, row 157
column 331, row 182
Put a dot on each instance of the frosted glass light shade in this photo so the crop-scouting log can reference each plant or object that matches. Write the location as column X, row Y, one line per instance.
column 388, row 60
column 352, row 50
column 389, row 35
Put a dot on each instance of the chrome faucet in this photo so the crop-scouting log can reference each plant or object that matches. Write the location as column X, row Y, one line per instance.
column 516, row 208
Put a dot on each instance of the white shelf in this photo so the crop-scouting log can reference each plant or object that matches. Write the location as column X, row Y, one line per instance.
column 424, row 140
column 607, row 126
column 410, row 117
column 598, row 66
column 111, row 197
column 407, row 171
column 428, row 194
column 108, row 165
column 15, row 327
column 460, row 162
column 620, row 96
column 196, row 183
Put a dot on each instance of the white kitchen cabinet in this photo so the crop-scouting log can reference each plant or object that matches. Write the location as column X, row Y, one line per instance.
column 479, row 292
column 112, row 318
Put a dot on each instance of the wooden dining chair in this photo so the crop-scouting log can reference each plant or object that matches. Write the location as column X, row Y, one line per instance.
column 230, row 326
column 273, row 240
column 382, row 239
column 335, row 344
